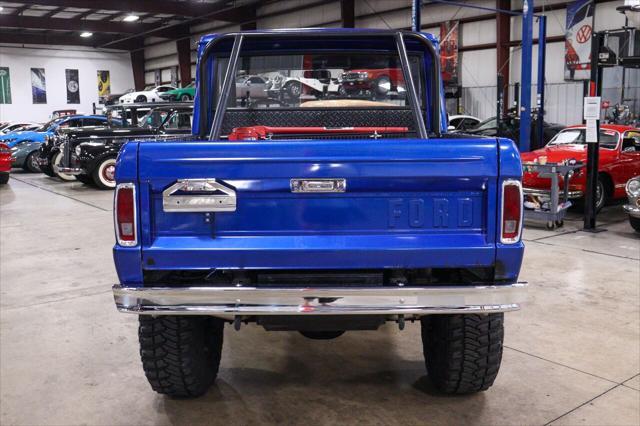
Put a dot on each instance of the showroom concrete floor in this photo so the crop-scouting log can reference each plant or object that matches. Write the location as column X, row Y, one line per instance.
column 572, row 355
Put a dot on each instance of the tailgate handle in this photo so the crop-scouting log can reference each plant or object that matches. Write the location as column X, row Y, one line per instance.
column 198, row 195
column 318, row 185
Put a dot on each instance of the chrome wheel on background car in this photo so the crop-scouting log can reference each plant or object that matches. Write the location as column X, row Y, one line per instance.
column 185, row 98
column 56, row 168
column 104, row 175
column 31, row 163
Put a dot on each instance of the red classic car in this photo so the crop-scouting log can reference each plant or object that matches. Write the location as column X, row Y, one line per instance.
column 5, row 163
column 619, row 161
column 379, row 81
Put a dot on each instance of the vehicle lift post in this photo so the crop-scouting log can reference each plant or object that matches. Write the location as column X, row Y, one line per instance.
column 542, row 54
column 593, row 149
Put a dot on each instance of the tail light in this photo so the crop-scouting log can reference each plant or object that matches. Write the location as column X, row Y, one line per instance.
column 125, row 214
column 511, row 212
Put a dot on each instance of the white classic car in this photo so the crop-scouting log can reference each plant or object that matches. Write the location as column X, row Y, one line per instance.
column 149, row 94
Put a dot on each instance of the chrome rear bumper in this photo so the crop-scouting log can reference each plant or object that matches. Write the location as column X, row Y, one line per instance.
column 547, row 193
column 319, row 301
column 70, row 170
column 632, row 210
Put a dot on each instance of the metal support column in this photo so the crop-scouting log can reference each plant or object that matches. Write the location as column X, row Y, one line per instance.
column 503, row 31
column 416, row 15
column 542, row 53
column 525, row 76
column 593, row 149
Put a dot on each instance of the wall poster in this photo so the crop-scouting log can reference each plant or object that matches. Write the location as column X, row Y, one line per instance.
column 5, row 86
column 38, row 86
column 577, row 45
column 73, row 86
column 449, row 52
column 104, row 84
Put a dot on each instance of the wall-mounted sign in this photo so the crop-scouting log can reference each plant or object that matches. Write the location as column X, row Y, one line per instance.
column 5, row 86
column 38, row 86
column 577, row 45
column 73, row 86
column 104, row 84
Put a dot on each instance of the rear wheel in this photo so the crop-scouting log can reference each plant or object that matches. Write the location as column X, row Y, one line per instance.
column 185, row 98
column 104, row 176
column 31, row 163
column 57, row 159
column 180, row 354
column 462, row 352
column 86, row 179
column 4, row 178
column 293, row 89
column 635, row 223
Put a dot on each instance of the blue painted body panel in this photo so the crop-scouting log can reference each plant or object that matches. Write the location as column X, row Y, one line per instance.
column 409, row 203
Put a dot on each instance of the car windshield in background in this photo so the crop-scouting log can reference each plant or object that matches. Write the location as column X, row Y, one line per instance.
column 153, row 119
column 47, row 126
column 320, row 80
column 608, row 139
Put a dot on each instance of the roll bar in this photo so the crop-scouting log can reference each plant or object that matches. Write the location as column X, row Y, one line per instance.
column 239, row 37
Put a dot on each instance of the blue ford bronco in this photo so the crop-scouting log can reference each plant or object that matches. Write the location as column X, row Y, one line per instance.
column 299, row 206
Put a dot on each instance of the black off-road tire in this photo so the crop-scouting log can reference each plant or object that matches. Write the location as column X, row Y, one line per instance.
column 180, row 354
column 462, row 352
column 4, row 178
column 635, row 223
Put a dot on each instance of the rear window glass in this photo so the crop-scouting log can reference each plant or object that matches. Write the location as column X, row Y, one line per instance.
column 358, row 80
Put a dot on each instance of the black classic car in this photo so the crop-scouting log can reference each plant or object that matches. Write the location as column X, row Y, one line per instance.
column 510, row 128
column 90, row 154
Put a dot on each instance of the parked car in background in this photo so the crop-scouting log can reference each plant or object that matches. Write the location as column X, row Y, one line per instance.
column 149, row 94
column 113, row 98
column 90, row 154
column 510, row 128
column 24, row 145
column 18, row 127
column 5, row 163
column 184, row 94
column 378, row 81
column 632, row 208
column 462, row 123
column 619, row 161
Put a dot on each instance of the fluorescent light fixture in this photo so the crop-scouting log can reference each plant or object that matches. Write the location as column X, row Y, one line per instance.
column 86, row 34
column 1, row 8
column 131, row 18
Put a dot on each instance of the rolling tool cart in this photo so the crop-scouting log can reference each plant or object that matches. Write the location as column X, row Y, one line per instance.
column 549, row 206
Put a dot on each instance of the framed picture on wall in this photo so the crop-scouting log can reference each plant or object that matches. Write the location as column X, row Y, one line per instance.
column 38, row 86
column 73, row 86
column 5, row 86
column 104, row 84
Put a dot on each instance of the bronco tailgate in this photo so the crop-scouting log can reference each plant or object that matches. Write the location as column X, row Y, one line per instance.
column 395, row 204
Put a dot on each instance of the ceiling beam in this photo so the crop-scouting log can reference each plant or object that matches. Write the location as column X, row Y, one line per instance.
column 187, row 8
column 181, row 30
column 65, row 40
column 42, row 23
